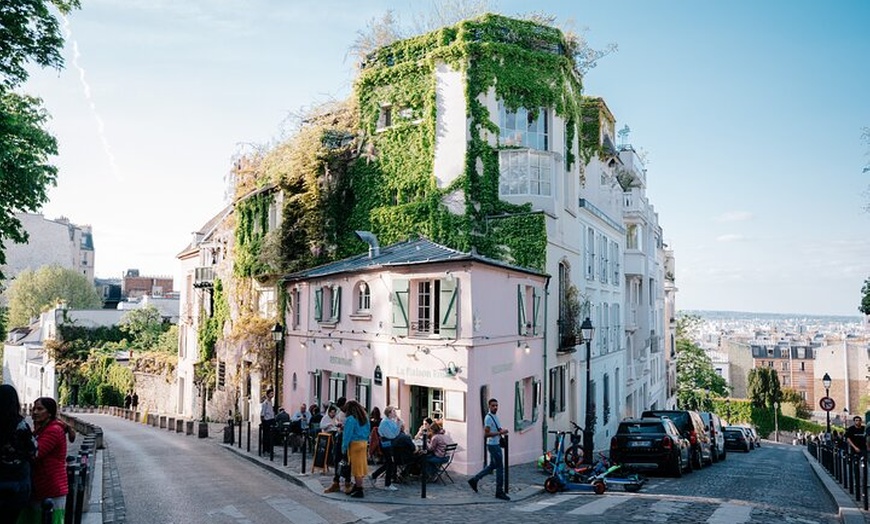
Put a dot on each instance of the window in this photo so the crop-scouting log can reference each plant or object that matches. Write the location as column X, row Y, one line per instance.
column 364, row 392
column 317, row 387
column 327, row 304
column 557, row 400
column 785, row 365
column 425, row 307
column 802, row 353
column 802, row 366
column 221, row 375
column 385, row 119
column 769, row 352
column 603, row 269
column 363, row 298
column 770, row 364
column 616, row 326
column 783, row 352
column 632, row 236
column 605, row 328
column 529, row 310
column 590, row 253
column 525, row 172
column 436, row 403
column 337, row 387
column 523, row 127
column 295, row 309
column 614, row 257
column 526, row 398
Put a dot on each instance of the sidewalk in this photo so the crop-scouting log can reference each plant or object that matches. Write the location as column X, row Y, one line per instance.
column 525, row 480
column 849, row 511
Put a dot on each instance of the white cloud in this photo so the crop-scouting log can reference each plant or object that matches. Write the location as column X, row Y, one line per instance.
column 734, row 216
column 731, row 237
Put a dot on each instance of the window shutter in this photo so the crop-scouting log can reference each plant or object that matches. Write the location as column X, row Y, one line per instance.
column 400, row 306
column 449, row 318
column 318, row 305
column 336, row 303
column 521, row 311
column 518, row 406
column 537, row 322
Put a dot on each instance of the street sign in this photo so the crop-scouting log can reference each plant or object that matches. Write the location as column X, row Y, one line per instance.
column 827, row 403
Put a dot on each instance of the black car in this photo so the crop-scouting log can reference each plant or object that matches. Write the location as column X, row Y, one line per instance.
column 692, row 428
column 651, row 443
column 735, row 438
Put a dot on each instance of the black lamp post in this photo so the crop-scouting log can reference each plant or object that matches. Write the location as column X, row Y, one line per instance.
column 41, row 377
column 586, row 332
column 278, row 337
column 826, row 381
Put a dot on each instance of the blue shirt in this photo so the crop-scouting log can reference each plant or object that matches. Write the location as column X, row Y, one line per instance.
column 388, row 428
column 353, row 430
column 494, row 425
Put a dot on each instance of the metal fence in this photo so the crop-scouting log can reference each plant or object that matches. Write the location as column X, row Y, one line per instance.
column 848, row 468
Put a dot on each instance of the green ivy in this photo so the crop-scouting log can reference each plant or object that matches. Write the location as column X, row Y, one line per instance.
column 252, row 216
column 211, row 327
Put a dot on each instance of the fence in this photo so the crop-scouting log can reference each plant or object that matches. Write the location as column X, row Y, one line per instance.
column 847, row 468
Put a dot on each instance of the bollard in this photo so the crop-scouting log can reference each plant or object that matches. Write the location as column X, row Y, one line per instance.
column 286, row 438
column 423, row 467
column 47, row 511
column 856, row 475
column 72, row 476
column 260, row 440
column 850, row 465
column 85, row 459
column 229, row 433
column 864, row 476
column 304, row 453
column 249, row 435
column 507, row 463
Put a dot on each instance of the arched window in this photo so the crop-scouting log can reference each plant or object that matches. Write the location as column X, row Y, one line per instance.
column 363, row 298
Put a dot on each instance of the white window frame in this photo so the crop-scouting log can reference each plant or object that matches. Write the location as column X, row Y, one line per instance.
column 524, row 128
column 525, row 172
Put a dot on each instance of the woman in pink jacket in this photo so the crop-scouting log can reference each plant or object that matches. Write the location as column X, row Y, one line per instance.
column 49, row 469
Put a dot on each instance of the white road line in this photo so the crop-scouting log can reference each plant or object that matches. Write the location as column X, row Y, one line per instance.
column 295, row 512
column 232, row 512
column 363, row 512
column 730, row 514
column 668, row 506
column 548, row 503
column 599, row 505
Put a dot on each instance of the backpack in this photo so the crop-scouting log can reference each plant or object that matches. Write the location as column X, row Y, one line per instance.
column 17, row 452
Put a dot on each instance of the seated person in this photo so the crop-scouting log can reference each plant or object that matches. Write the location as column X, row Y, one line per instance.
column 437, row 452
column 282, row 426
column 423, row 429
column 406, row 456
column 329, row 422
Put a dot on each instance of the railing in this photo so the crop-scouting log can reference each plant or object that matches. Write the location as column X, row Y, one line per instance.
column 847, row 468
column 203, row 276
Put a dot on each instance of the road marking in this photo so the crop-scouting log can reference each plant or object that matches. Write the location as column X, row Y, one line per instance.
column 232, row 512
column 730, row 514
column 363, row 512
column 668, row 506
column 599, row 505
column 543, row 504
column 295, row 512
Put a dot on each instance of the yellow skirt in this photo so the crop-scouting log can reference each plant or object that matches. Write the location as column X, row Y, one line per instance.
column 358, row 457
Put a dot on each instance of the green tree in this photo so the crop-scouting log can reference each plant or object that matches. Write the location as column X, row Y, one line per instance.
column 33, row 291
column 144, row 325
column 29, row 33
column 865, row 298
column 763, row 387
column 697, row 381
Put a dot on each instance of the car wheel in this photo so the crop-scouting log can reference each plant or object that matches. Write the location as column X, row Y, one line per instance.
column 697, row 459
column 689, row 467
column 714, row 455
column 677, row 467
column 748, row 447
column 724, row 455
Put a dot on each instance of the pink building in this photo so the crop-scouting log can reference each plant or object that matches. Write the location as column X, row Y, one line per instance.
column 430, row 330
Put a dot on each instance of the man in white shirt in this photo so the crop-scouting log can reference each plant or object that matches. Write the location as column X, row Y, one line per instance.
column 267, row 420
column 492, row 432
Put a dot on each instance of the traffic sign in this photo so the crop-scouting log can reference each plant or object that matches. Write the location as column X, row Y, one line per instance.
column 827, row 403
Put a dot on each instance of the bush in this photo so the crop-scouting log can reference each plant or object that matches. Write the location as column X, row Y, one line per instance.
column 108, row 395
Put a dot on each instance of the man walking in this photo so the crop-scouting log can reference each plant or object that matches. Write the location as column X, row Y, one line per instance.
column 267, row 420
column 492, row 432
column 855, row 436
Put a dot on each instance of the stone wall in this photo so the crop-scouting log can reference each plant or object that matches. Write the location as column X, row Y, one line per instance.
column 157, row 393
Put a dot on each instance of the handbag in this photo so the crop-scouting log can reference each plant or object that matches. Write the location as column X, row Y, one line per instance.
column 502, row 440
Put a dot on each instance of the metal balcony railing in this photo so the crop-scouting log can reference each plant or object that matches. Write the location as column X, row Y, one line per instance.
column 203, row 277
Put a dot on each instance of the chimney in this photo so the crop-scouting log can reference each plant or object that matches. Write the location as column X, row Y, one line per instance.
column 372, row 241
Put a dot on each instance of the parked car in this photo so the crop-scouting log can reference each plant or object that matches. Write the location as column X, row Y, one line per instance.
column 692, row 428
column 753, row 434
column 736, row 438
column 717, row 439
column 651, row 443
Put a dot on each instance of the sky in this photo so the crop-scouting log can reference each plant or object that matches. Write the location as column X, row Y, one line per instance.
column 749, row 114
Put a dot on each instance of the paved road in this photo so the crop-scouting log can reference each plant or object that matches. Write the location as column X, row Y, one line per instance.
column 171, row 478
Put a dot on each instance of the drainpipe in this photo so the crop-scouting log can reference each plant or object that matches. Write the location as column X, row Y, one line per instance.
column 544, row 394
column 372, row 241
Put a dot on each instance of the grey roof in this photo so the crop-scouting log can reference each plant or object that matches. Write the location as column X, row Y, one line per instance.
column 408, row 253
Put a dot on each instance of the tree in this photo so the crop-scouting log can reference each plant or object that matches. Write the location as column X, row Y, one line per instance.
column 144, row 325
column 763, row 387
column 29, row 32
column 697, row 381
column 865, row 298
column 33, row 291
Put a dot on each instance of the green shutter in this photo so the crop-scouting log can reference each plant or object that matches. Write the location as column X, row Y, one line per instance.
column 537, row 302
column 518, row 406
column 448, row 306
column 318, row 305
column 336, row 303
column 521, row 311
column 400, row 306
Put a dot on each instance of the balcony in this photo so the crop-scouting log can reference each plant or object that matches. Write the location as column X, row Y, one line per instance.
column 568, row 338
column 635, row 263
column 203, row 277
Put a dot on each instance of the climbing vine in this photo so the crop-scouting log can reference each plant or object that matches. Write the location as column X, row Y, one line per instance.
column 211, row 328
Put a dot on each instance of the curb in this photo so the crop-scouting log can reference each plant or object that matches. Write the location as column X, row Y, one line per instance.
column 848, row 509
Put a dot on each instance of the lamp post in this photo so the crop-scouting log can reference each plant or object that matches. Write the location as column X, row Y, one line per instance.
column 826, row 381
column 728, row 410
column 41, row 377
column 776, row 421
column 278, row 337
column 587, row 331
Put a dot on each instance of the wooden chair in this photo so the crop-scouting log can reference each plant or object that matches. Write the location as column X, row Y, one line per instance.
column 449, row 451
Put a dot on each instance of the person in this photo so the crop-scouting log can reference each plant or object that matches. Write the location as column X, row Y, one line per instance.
column 375, row 453
column 492, row 432
column 437, row 449
column 282, row 417
column 49, row 469
column 354, row 441
column 388, row 429
column 328, row 423
column 267, row 420
column 423, row 429
column 17, row 452
column 338, row 457
column 855, row 436
column 302, row 415
column 128, row 400
column 134, row 401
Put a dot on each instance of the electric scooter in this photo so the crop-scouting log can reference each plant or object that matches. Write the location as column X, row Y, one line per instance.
column 566, row 478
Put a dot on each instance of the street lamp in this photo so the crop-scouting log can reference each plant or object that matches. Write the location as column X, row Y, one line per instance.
column 586, row 332
column 826, row 381
column 278, row 337
column 728, row 410
column 776, row 421
column 41, row 376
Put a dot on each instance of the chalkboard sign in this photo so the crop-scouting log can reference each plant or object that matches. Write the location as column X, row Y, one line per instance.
column 323, row 451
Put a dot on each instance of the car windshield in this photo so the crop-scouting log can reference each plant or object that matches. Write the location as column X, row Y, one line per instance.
column 732, row 433
column 680, row 418
column 639, row 429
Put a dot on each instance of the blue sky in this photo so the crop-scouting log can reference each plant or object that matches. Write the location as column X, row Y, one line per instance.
column 750, row 114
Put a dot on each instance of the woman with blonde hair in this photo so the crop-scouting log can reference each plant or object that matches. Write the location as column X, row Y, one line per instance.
column 354, row 442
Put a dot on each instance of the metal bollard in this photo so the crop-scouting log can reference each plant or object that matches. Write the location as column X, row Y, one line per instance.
column 285, row 437
column 72, row 476
column 304, row 452
column 240, row 434
column 249, row 435
column 850, row 473
column 423, row 467
column 856, row 475
column 507, row 463
column 47, row 511
column 260, row 440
